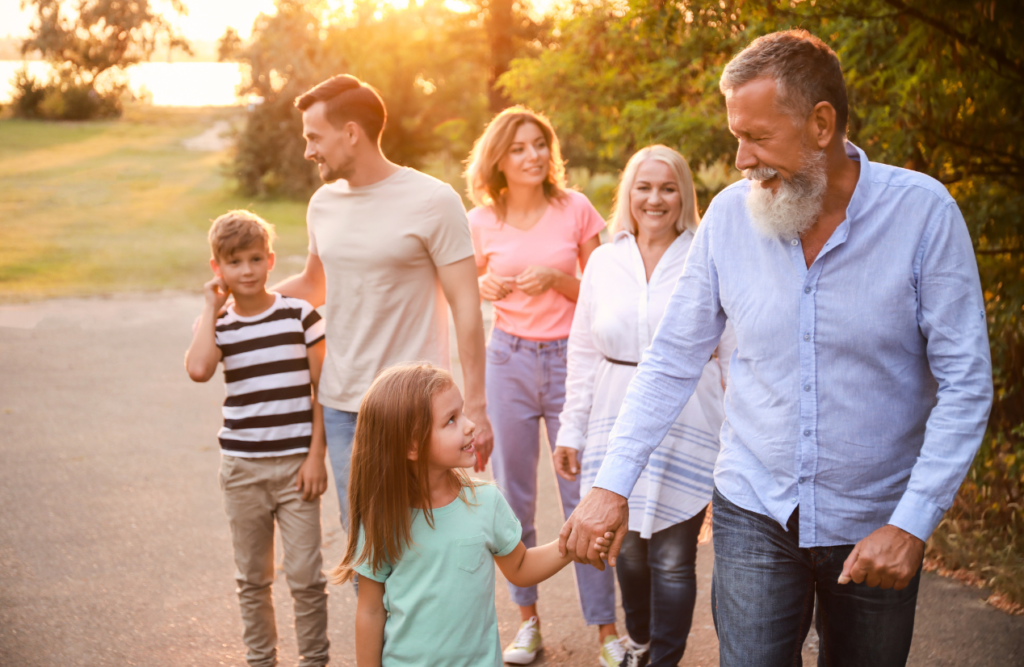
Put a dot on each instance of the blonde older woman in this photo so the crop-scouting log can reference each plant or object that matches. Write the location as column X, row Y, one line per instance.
column 530, row 234
column 625, row 288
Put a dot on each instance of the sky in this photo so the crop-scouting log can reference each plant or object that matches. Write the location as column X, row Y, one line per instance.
column 206, row 19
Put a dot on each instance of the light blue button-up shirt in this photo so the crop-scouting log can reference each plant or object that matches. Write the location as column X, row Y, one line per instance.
column 860, row 387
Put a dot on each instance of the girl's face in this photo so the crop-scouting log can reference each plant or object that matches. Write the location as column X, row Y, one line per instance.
column 528, row 158
column 655, row 200
column 452, row 435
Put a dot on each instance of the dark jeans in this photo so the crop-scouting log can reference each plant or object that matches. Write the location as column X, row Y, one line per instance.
column 658, row 581
column 764, row 592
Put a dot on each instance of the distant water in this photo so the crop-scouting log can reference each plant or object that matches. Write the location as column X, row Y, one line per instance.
column 167, row 84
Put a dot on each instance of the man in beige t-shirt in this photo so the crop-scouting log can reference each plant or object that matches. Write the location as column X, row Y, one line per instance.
column 389, row 250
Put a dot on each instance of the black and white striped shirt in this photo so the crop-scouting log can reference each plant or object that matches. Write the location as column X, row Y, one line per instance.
column 268, row 410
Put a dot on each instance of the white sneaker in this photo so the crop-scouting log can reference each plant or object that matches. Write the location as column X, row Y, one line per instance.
column 636, row 654
column 612, row 652
column 524, row 647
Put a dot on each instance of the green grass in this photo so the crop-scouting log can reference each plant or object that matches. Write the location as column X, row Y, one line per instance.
column 117, row 206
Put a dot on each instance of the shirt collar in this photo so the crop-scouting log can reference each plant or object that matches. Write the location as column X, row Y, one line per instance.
column 861, row 192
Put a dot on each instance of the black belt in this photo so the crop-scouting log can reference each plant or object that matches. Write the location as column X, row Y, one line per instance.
column 620, row 362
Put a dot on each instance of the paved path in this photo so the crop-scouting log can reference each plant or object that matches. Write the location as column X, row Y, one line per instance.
column 114, row 548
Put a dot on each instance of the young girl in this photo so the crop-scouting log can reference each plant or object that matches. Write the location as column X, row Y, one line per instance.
column 428, row 535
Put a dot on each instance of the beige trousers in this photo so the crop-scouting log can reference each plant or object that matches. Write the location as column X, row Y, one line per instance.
column 257, row 491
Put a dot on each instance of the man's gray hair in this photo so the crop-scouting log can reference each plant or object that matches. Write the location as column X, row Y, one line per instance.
column 806, row 71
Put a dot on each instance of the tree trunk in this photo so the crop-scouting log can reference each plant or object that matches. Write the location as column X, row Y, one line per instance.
column 499, row 33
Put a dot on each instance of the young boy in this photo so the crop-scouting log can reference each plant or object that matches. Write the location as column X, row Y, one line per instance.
column 272, row 442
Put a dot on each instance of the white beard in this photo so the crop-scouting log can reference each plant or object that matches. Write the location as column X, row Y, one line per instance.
column 793, row 208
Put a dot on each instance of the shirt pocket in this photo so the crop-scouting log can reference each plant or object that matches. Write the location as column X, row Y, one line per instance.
column 469, row 555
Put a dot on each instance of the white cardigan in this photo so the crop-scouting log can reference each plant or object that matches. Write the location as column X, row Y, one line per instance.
column 616, row 316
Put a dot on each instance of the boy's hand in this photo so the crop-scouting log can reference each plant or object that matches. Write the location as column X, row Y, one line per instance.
column 312, row 478
column 216, row 292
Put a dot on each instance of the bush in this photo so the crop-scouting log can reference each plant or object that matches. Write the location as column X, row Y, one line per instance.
column 65, row 97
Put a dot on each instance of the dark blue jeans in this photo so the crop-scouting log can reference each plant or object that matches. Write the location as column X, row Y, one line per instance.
column 658, row 580
column 766, row 589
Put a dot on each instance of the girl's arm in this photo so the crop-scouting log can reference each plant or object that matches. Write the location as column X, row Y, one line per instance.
column 528, row 567
column 370, row 618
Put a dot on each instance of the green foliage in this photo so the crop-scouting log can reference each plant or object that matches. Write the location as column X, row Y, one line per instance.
column 89, row 45
column 426, row 61
column 934, row 85
column 65, row 97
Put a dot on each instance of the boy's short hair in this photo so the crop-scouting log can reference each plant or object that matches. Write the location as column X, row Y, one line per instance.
column 237, row 230
column 348, row 99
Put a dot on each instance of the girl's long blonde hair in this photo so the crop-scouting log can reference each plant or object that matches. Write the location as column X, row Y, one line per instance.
column 485, row 183
column 384, row 485
column 689, row 218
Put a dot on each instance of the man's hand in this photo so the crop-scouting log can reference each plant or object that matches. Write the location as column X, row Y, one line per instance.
column 312, row 478
column 483, row 436
column 566, row 465
column 600, row 512
column 887, row 558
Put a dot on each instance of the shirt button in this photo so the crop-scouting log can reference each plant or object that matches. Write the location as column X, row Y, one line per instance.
column 802, row 480
column 807, row 432
column 794, row 242
column 807, row 290
column 807, row 387
column 807, row 336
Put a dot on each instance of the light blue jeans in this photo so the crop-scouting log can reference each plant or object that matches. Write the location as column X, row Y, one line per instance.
column 340, row 429
column 526, row 381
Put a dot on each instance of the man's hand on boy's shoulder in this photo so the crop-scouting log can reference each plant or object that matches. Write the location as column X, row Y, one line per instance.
column 216, row 292
column 312, row 478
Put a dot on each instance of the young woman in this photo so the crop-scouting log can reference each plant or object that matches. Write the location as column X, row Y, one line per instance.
column 530, row 234
column 625, row 288
column 428, row 535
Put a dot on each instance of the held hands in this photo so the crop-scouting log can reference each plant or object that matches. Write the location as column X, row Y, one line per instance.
column 566, row 464
column 887, row 558
column 312, row 478
column 599, row 513
column 216, row 292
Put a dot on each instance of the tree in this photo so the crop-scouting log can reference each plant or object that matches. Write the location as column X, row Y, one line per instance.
column 83, row 44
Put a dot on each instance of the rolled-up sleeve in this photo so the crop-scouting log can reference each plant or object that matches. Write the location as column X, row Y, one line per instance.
column 951, row 316
column 670, row 368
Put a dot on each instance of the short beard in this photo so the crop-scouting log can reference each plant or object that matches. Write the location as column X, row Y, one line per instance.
column 794, row 207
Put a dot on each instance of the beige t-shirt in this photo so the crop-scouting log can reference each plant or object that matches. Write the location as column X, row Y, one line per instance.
column 380, row 245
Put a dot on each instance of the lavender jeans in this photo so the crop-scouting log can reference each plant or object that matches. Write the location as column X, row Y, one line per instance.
column 526, row 381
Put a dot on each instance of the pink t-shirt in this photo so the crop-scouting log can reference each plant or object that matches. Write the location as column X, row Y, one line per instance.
column 553, row 242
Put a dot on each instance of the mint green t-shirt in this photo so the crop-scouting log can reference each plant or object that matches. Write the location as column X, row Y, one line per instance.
column 440, row 594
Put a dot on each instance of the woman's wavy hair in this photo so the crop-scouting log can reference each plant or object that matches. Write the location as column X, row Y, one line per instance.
column 485, row 184
column 385, row 485
column 689, row 218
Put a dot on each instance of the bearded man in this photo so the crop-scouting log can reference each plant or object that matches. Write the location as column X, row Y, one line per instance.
column 859, row 390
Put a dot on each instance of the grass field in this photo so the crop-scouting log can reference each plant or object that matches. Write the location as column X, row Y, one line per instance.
column 98, row 207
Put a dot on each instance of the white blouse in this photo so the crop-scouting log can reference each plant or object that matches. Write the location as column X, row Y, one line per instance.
column 616, row 316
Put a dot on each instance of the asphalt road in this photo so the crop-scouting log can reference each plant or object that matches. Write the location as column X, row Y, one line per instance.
column 114, row 547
